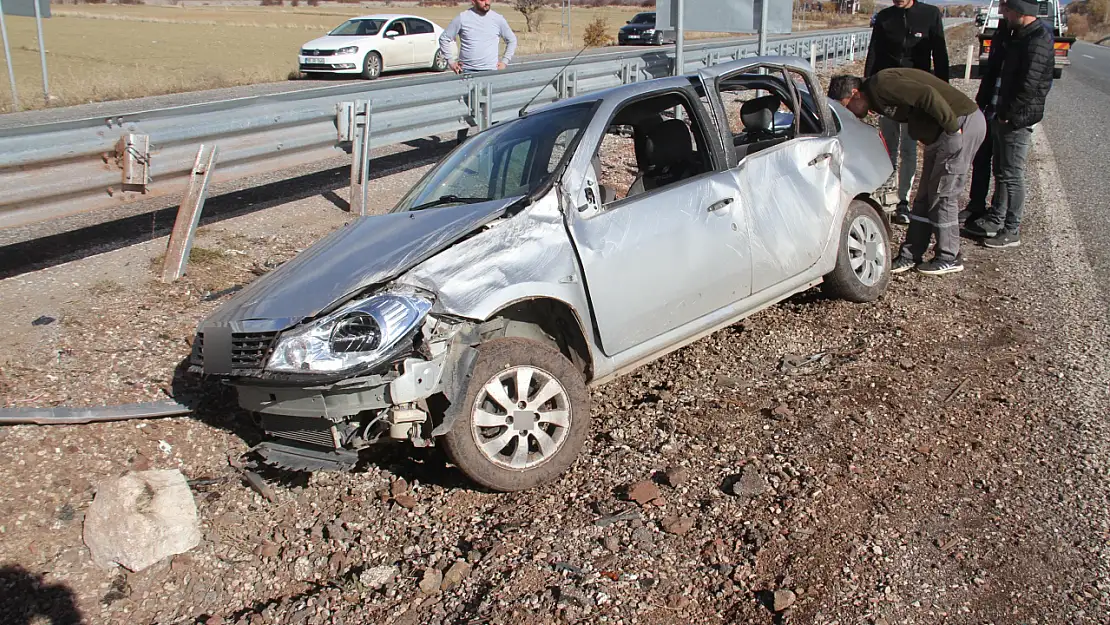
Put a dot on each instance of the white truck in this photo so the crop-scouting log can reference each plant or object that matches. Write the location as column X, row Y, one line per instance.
column 1047, row 11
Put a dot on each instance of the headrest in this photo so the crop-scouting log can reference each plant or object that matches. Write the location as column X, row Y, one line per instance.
column 668, row 143
column 759, row 113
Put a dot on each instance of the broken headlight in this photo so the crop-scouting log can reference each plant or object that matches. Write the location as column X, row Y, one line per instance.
column 359, row 334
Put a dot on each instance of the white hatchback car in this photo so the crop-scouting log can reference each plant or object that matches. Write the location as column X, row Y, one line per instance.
column 371, row 44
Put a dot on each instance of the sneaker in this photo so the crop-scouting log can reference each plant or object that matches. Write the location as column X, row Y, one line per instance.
column 968, row 215
column 937, row 267
column 976, row 228
column 902, row 264
column 901, row 214
column 1003, row 239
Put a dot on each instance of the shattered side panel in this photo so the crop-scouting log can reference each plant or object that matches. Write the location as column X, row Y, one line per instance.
column 866, row 163
column 657, row 261
column 795, row 197
column 526, row 256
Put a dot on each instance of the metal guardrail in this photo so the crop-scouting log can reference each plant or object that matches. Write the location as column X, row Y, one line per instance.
column 54, row 170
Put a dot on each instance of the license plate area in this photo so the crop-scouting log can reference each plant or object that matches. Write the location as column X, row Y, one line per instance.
column 315, row 60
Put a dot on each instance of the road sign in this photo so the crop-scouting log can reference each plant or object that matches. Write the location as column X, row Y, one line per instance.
column 725, row 16
column 26, row 8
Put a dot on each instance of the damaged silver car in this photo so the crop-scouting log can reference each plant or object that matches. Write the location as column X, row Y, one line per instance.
column 551, row 253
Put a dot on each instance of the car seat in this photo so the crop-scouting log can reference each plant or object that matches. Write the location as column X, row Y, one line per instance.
column 758, row 117
column 665, row 156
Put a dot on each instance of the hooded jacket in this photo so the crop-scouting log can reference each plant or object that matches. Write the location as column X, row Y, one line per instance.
column 912, row 37
column 1019, row 71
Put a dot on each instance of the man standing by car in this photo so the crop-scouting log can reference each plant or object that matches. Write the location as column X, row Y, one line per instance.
column 479, row 30
column 908, row 34
column 1013, row 92
column 951, row 126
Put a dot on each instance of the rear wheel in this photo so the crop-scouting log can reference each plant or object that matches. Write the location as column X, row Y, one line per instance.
column 439, row 62
column 526, row 415
column 372, row 66
column 657, row 39
column 862, row 270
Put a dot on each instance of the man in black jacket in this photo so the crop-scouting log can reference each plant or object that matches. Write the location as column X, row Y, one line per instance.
column 1012, row 93
column 908, row 34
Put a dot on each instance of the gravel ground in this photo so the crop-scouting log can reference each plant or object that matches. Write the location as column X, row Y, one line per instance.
column 938, row 456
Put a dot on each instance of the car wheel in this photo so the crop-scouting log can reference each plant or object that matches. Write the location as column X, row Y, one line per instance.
column 862, row 270
column 372, row 66
column 439, row 63
column 525, row 416
column 657, row 40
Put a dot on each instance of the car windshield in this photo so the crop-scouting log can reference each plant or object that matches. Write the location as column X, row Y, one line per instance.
column 358, row 27
column 510, row 160
column 644, row 18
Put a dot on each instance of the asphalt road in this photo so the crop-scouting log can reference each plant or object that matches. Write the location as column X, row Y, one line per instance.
column 1077, row 121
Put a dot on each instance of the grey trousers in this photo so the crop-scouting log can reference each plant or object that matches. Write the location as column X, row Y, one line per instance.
column 900, row 144
column 943, row 177
column 1011, row 150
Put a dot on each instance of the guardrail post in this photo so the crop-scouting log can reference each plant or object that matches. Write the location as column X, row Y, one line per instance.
column 967, row 66
column 813, row 54
column 852, row 50
column 188, row 216
column 133, row 158
column 825, row 51
column 360, row 156
column 485, row 120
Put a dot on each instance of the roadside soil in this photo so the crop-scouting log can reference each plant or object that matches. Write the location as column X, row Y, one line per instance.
column 938, row 456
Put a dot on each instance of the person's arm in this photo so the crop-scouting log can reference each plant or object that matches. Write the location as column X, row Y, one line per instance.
column 940, row 49
column 510, row 41
column 447, row 37
column 872, row 50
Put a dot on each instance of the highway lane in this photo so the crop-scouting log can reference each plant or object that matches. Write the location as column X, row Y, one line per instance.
column 123, row 107
column 1077, row 122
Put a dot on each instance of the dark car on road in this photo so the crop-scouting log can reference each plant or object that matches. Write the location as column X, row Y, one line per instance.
column 641, row 30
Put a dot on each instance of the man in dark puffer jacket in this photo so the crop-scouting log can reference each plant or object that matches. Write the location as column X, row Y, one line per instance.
column 1012, row 93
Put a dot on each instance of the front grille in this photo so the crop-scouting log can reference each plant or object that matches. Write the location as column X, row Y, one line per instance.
column 249, row 350
column 312, row 431
column 307, row 52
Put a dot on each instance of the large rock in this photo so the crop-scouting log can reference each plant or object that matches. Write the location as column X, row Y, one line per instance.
column 141, row 518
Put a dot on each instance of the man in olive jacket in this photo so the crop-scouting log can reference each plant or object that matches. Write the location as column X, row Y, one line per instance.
column 1012, row 93
column 951, row 126
column 908, row 34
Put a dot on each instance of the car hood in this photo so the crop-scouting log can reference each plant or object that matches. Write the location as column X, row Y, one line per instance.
column 369, row 251
column 335, row 42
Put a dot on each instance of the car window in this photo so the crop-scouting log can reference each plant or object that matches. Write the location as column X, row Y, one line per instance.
column 352, row 28
column 761, row 110
column 419, row 27
column 644, row 18
column 397, row 26
column 650, row 144
column 510, row 159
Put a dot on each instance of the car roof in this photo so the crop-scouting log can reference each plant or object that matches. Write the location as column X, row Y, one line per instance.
column 386, row 16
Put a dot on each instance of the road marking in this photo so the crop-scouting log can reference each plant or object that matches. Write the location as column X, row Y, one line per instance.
column 1088, row 56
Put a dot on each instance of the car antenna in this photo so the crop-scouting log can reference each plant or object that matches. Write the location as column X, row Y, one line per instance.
column 562, row 69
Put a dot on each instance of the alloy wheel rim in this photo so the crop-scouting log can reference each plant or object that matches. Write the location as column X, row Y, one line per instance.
column 866, row 251
column 521, row 417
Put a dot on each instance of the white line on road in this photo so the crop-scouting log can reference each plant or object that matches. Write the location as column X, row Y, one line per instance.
column 1088, row 56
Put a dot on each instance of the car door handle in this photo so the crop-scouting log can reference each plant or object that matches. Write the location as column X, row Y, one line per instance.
column 718, row 205
column 819, row 158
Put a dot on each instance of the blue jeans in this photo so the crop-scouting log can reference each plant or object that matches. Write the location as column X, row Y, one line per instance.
column 1011, row 151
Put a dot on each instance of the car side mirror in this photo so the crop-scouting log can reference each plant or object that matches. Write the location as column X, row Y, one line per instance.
column 628, row 22
column 391, row 34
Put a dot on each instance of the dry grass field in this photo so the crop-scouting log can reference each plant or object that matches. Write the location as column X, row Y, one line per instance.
column 110, row 52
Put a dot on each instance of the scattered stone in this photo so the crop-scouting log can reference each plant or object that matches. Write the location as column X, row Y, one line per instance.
column 140, row 519
column 459, row 571
column 644, row 492
column 676, row 476
column 259, row 485
column 784, row 599
column 677, row 525
column 907, row 365
column 405, row 501
column 782, row 411
column 269, row 550
column 612, row 543
column 378, row 576
column 398, row 487
column 677, row 602
column 431, row 581
column 750, row 484
column 573, row 596
column 302, row 569
column 43, row 321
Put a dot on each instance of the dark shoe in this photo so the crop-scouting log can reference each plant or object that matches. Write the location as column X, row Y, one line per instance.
column 937, row 267
column 1003, row 239
column 968, row 215
column 902, row 264
column 979, row 229
column 901, row 214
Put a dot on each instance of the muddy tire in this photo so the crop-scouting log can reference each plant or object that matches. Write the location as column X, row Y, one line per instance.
column 862, row 270
column 524, row 417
